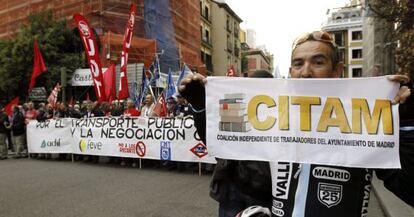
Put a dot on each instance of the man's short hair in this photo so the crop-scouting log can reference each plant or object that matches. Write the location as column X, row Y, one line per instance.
column 321, row 36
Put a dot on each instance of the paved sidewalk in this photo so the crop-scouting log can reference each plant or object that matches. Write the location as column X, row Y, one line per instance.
column 392, row 205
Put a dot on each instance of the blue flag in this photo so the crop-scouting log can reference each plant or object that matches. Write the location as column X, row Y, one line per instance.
column 155, row 72
column 170, row 85
column 184, row 71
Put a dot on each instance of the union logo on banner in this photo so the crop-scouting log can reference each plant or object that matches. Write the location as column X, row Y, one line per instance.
column 329, row 194
column 200, row 150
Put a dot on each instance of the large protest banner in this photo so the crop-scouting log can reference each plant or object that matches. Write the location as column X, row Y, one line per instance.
column 172, row 139
column 344, row 122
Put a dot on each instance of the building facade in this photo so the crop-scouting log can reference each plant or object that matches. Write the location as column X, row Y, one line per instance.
column 225, row 39
column 108, row 18
column 256, row 59
column 345, row 24
column 378, row 46
column 206, row 51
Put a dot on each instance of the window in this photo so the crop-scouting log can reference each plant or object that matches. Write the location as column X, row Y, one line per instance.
column 357, row 54
column 207, row 36
column 356, row 35
column 206, row 15
column 357, row 72
column 339, row 39
column 202, row 57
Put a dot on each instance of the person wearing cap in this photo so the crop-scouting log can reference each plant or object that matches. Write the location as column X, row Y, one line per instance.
column 4, row 123
column 314, row 55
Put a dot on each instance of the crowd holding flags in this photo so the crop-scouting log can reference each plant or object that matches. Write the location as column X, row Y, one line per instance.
column 105, row 82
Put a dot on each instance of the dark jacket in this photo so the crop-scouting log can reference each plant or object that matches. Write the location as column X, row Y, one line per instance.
column 346, row 195
column 4, row 119
column 18, row 127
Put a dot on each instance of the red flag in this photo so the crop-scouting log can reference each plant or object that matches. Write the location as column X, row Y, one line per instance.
column 161, row 107
column 9, row 107
column 52, row 99
column 38, row 65
column 231, row 72
column 71, row 101
column 123, row 86
column 109, row 81
column 92, row 52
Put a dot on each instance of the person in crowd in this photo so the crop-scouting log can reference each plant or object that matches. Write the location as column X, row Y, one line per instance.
column 314, row 55
column 4, row 123
column 117, row 109
column 30, row 113
column 131, row 111
column 171, row 106
column 148, row 108
column 183, row 108
column 18, row 128
column 75, row 112
column 62, row 111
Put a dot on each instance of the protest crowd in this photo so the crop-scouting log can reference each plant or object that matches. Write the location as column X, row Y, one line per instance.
column 14, row 121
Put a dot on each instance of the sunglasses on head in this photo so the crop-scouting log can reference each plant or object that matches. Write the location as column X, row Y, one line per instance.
column 315, row 36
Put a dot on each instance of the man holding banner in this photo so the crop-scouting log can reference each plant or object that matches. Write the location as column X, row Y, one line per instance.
column 306, row 189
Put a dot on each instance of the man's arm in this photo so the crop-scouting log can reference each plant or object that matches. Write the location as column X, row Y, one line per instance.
column 401, row 181
column 193, row 90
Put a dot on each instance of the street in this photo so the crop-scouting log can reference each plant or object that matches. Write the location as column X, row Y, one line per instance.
column 60, row 188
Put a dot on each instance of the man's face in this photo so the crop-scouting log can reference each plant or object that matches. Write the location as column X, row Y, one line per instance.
column 148, row 100
column 312, row 59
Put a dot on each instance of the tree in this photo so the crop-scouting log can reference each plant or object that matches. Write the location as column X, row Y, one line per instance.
column 400, row 13
column 59, row 45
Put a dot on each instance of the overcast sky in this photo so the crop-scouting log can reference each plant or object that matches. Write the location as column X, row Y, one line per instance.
column 277, row 22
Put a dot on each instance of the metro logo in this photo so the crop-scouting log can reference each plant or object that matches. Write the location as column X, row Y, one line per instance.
column 333, row 114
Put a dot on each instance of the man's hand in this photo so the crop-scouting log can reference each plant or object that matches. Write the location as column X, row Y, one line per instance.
column 193, row 90
column 404, row 91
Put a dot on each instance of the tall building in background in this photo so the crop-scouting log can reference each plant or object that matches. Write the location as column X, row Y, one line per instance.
column 378, row 46
column 251, row 38
column 206, row 51
column 225, row 37
column 345, row 24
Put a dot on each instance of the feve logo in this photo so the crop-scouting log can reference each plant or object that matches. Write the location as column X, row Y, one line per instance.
column 89, row 145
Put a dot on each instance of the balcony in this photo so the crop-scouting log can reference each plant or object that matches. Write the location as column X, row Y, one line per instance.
column 341, row 24
column 229, row 47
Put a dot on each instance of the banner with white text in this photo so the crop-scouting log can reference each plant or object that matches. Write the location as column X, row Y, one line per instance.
column 343, row 122
column 174, row 139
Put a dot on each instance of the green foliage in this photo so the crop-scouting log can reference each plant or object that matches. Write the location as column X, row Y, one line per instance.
column 59, row 45
column 401, row 13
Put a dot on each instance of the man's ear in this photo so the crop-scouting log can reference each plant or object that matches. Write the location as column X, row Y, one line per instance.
column 339, row 68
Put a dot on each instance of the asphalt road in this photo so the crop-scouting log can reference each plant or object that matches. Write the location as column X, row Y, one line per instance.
column 47, row 188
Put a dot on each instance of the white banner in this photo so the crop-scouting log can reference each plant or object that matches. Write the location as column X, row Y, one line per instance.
column 172, row 139
column 344, row 122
